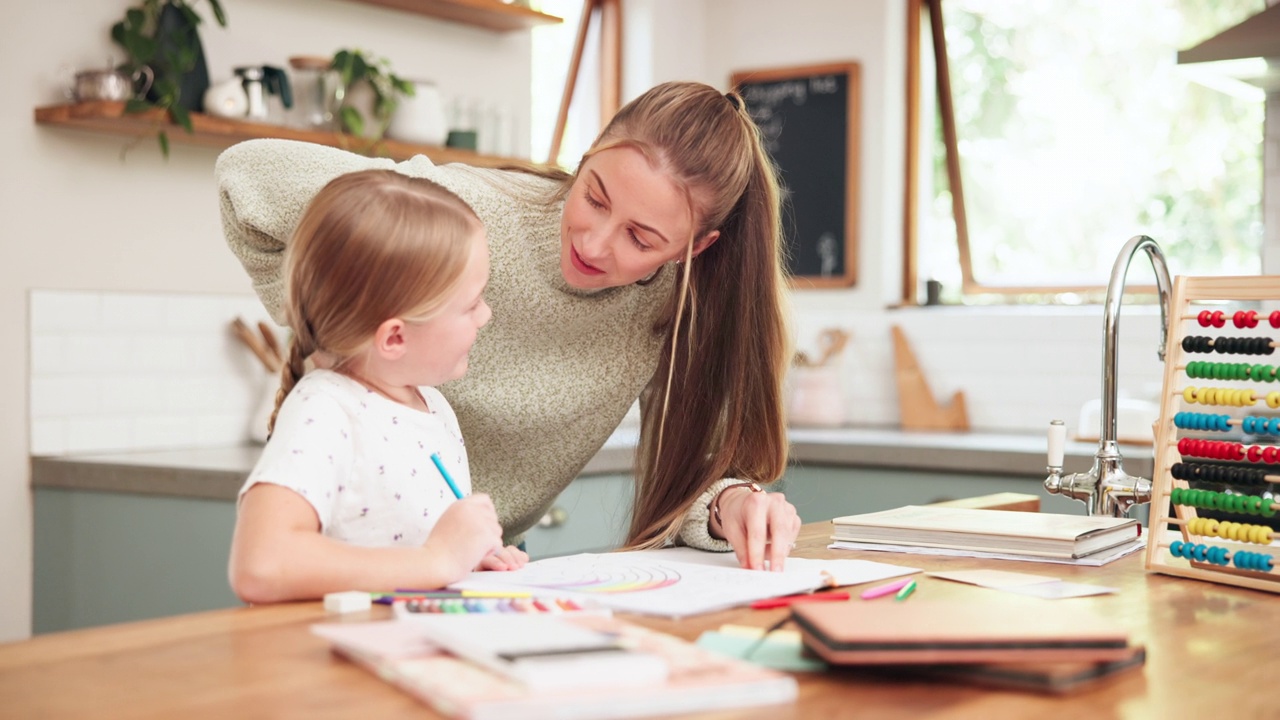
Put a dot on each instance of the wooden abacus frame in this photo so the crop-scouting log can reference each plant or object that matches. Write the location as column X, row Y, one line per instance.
column 1217, row 293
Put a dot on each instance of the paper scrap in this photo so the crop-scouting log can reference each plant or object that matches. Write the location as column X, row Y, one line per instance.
column 1059, row 590
column 998, row 579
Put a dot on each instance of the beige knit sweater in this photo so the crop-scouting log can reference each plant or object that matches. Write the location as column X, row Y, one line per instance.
column 550, row 376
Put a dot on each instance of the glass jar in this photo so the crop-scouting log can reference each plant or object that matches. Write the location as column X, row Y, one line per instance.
column 317, row 91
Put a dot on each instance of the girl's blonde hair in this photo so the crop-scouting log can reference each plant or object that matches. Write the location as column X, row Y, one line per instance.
column 371, row 246
column 714, row 407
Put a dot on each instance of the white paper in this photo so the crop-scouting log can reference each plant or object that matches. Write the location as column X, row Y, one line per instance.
column 996, row 579
column 1059, row 590
column 1097, row 559
column 675, row 582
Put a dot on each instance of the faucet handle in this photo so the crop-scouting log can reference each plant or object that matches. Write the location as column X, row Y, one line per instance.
column 1057, row 443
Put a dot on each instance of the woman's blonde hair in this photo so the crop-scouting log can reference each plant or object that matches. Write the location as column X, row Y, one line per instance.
column 714, row 407
column 372, row 245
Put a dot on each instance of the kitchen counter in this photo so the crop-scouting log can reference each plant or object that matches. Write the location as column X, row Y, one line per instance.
column 218, row 472
column 112, row 569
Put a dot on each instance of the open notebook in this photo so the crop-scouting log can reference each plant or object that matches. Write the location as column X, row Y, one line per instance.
column 676, row 582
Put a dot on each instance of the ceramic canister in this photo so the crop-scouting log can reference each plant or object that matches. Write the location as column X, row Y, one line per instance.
column 420, row 118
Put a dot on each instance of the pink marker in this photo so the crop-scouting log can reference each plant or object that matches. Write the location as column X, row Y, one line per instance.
column 883, row 590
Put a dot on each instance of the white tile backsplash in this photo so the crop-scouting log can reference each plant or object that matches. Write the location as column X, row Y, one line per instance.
column 133, row 371
column 1019, row 368
column 114, row 371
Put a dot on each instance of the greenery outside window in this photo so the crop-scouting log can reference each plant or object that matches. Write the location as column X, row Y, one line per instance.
column 1075, row 129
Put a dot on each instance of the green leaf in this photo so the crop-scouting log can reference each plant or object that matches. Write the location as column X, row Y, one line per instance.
column 193, row 19
column 359, row 67
column 182, row 117
column 342, row 63
column 352, row 121
column 136, row 105
column 144, row 49
column 403, row 86
column 163, row 137
column 218, row 13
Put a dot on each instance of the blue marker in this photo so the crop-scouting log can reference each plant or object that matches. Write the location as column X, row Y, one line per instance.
column 435, row 458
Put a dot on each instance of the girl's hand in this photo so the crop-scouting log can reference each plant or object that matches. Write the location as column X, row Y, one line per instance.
column 466, row 533
column 507, row 558
column 760, row 525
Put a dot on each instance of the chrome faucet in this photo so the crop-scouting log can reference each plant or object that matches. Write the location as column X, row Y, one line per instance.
column 1107, row 489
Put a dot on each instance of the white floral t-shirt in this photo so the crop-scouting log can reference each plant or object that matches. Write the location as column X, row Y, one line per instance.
column 363, row 461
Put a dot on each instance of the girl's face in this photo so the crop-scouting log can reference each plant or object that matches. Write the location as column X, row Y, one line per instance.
column 623, row 220
column 437, row 348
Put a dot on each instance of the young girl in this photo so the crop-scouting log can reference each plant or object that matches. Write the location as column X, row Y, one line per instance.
column 364, row 483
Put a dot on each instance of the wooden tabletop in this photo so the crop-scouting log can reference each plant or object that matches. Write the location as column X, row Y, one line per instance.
column 1210, row 649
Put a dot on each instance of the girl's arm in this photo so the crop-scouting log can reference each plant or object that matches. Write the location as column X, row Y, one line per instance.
column 278, row 553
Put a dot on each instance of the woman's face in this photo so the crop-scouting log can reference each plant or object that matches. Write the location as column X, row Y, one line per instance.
column 623, row 220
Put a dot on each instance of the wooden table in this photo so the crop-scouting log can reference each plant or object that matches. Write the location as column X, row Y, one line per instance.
column 1210, row 649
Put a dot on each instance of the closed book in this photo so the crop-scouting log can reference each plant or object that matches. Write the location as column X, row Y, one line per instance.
column 1025, row 533
column 1054, row 678
column 697, row 679
column 922, row 631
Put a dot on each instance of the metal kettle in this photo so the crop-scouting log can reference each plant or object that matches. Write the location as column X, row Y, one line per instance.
column 260, row 81
column 111, row 84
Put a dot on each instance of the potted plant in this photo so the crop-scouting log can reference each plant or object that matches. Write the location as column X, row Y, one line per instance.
column 162, row 35
column 359, row 70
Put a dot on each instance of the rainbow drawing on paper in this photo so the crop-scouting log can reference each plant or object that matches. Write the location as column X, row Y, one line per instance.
column 615, row 579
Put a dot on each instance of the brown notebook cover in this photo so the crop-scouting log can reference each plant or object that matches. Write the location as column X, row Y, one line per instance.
column 921, row 631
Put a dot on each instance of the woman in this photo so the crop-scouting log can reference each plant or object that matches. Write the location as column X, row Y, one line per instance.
column 653, row 271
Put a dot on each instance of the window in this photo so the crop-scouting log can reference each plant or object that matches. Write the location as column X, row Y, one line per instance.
column 1076, row 130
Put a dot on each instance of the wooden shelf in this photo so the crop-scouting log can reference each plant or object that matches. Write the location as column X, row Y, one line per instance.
column 210, row 131
column 489, row 14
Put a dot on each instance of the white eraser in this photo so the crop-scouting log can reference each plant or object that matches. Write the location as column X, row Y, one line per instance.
column 345, row 602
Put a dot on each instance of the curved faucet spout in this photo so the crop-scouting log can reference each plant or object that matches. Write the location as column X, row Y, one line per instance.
column 1111, row 323
column 1107, row 489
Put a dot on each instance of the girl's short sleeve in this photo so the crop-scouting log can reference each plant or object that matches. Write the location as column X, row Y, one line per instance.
column 310, row 452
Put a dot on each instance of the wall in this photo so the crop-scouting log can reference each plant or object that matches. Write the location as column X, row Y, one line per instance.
column 78, row 217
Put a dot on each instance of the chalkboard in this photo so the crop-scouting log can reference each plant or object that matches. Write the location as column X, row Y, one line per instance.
column 808, row 117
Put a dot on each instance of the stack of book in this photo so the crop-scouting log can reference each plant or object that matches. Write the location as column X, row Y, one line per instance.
column 1002, row 643
column 1000, row 531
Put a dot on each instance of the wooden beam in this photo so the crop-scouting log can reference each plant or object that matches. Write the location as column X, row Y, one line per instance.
column 571, row 80
column 610, row 59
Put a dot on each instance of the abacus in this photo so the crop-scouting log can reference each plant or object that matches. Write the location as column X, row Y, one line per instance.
column 1219, row 428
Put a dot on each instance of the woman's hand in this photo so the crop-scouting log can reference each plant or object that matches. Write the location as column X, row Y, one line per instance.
column 760, row 526
column 507, row 558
